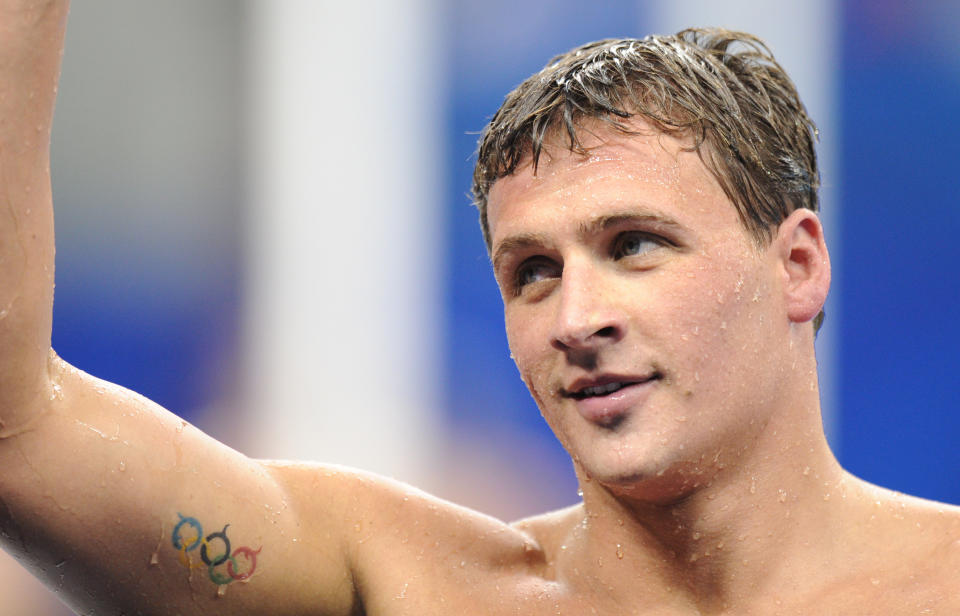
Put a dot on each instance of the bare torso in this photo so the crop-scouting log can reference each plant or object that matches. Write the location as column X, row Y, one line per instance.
column 902, row 558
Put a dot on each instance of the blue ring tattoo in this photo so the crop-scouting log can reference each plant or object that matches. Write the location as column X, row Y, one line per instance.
column 177, row 533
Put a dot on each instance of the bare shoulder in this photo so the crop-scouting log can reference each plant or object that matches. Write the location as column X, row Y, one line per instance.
column 916, row 548
column 936, row 533
column 373, row 504
column 408, row 551
column 381, row 520
column 895, row 554
column 931, row 528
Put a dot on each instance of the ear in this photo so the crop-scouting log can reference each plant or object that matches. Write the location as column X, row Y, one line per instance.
column 805, row 264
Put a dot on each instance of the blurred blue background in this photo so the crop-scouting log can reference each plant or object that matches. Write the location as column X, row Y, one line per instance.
column 900, row 92
column 151, row 166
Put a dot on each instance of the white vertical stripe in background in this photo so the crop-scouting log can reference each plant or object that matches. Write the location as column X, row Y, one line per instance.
column 344, row 235
column 804, row 37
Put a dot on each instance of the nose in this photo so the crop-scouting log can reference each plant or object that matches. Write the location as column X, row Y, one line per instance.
column 589, row 314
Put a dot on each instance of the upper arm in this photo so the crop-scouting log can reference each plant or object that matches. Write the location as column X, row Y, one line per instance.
column 111, row 500
column 126, row 509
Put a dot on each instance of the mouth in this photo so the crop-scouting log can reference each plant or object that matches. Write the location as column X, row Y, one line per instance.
column 598, row 388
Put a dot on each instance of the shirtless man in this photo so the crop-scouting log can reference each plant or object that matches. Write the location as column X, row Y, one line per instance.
column 650, row 210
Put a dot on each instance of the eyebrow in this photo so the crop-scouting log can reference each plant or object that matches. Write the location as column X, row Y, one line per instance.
column 617, row 219
column 515, row 243
column 522, row 241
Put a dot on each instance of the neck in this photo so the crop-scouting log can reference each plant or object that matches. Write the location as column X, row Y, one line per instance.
column 734, row 535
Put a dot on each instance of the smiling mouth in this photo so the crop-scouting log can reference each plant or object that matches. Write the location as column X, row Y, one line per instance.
column 596, row 391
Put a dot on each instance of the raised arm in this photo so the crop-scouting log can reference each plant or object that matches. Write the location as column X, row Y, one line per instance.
column 112, row 501
column 31, row 40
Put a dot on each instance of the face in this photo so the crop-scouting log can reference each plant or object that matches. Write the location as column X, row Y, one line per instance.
column 645, row 320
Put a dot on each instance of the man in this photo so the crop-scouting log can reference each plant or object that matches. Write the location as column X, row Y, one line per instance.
column 650, row 210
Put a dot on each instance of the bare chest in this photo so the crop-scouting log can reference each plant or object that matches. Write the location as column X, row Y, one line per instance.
column 450, row 593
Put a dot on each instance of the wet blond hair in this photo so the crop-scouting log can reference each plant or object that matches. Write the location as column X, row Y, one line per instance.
column 721, row 89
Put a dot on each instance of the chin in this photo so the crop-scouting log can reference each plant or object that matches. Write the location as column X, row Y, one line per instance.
column 657, row 482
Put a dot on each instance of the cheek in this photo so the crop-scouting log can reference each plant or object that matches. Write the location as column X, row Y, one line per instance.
column 527, row 343
column 530, row 350
column 715, row 312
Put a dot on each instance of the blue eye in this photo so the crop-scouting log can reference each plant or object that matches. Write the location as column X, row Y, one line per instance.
column 634, row 243
column 535, row 270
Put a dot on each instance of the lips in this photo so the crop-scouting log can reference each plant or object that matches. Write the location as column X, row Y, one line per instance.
column 608, row 400
column 591, row 388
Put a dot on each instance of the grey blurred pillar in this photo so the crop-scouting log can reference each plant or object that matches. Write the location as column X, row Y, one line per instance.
column 343, row 312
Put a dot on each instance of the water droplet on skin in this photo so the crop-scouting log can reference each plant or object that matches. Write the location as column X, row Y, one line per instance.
column 123, row 466
column 696, row 536
column 753, row 485
column 619, row 551
column 806, row 470
column 782, row 496
column 221, row 590
column 875, row 581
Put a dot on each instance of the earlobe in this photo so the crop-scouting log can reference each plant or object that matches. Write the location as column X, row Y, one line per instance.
column 806, row 265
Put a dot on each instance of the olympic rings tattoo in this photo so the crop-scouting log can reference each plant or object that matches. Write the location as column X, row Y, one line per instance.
column 240, row 564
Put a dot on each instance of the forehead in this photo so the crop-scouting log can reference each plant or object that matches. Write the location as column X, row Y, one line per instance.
column 649, row 170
